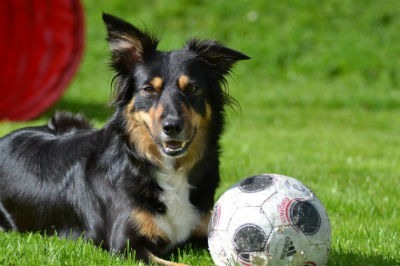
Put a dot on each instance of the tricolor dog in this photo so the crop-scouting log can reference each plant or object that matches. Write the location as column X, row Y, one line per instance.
column 148, row 177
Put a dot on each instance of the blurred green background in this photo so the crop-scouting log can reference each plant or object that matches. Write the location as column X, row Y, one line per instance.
column 319, row 101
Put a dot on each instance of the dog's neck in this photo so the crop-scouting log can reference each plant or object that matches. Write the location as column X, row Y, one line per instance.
column 168, row 165
column 172, row 166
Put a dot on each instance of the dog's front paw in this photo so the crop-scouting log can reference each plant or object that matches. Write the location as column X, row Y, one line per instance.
column 161, row 261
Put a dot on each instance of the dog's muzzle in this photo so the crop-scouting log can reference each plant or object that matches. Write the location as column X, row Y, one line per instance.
column 175, row 139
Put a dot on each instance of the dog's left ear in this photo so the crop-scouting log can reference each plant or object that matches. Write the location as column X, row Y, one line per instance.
column 215, row 54
column 129, row 45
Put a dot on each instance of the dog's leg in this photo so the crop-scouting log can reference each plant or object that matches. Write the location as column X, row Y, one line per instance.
column 202, row 229
column 160, row 261
column 199, row 235
column 145, row 225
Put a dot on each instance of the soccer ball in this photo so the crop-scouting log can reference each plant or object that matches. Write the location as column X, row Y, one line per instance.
column 269, row 220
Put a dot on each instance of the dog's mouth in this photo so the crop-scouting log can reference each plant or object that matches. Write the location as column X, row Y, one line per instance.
column 175, row 148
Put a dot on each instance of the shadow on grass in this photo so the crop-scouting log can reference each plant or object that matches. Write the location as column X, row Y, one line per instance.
column 344, row 259
column 92, row 111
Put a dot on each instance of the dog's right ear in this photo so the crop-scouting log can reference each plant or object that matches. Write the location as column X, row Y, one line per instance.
column 128, row 44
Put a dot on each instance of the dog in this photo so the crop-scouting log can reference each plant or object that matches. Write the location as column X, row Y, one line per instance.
column 146, row 180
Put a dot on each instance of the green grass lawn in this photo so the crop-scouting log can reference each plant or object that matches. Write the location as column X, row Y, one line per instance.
column 319, row 101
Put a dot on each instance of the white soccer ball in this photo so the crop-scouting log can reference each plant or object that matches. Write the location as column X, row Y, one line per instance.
column 269, row 220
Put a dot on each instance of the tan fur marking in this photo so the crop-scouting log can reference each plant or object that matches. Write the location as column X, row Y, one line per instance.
column 144, row 222
column 130, row 107
column 156, row 114
column 157, row 83
column 199, row 142
column 138, row 126
column 183, row 82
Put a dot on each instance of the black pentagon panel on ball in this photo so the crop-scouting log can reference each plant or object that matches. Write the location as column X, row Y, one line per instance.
column 256, row 183
column 305, row 217
column 249, row 238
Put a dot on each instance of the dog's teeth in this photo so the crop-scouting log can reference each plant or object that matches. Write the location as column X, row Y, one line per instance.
column 174, row 145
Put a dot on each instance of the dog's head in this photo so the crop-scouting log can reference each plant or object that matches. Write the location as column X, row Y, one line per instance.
column 171, row 102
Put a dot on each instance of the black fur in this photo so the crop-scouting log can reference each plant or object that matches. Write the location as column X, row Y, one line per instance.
column 71, row 179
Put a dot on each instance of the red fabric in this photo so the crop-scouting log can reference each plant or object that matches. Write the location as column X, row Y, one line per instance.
column 41, row 44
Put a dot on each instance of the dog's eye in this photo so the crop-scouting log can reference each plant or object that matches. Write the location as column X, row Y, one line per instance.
column 193, row 89
column 149, row 89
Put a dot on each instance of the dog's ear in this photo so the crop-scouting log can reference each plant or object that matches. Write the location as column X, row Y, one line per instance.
column 215, row 54
column 129, row 45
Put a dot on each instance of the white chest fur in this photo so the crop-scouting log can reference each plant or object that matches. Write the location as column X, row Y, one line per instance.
column 181, row 217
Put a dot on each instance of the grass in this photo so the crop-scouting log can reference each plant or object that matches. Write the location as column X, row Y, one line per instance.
column 320, row 101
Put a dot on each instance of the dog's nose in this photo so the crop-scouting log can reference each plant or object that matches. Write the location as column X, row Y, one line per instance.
column 172, row 126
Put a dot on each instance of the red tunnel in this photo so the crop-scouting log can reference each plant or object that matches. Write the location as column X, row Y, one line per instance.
column 41, row 44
